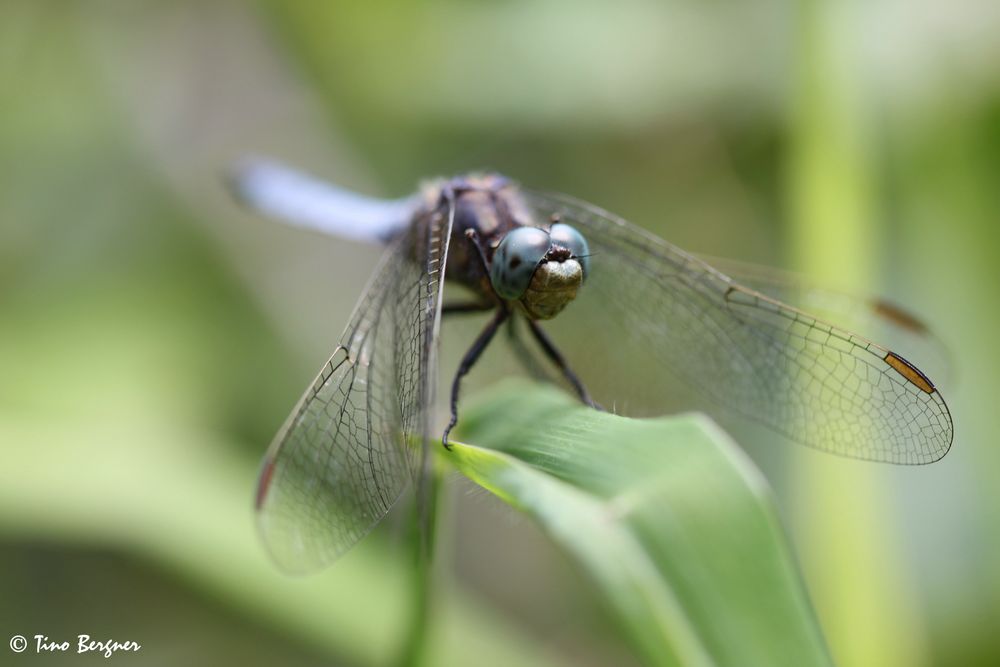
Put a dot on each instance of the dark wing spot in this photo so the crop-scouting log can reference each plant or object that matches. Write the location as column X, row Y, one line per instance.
column 902, row 318
column 910, row 372
column 264, row 483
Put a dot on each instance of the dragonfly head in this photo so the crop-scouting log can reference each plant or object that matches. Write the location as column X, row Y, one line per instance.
column 540, row 269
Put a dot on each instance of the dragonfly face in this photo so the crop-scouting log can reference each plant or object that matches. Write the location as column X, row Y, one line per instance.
column 540, row 270
column 659, row 322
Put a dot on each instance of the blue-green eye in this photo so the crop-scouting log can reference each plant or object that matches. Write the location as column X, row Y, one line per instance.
column 568, row 237
column 516, row 259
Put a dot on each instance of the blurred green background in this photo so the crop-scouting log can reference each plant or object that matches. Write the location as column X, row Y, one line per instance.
column 153, row 336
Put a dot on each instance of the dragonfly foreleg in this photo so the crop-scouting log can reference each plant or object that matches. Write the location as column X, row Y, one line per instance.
column 472, row 306
column 477, row 243
column 553, row 354
column 468, row 361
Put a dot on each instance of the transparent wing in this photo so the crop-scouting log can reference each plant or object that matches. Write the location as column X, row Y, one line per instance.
column 287, row 194
column 665, row 328
column 360, row 431
column 870, row 316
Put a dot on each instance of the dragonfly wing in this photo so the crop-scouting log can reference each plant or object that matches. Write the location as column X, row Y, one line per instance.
column 667, row 326
column 870, row 316
column 361, row 430
column 286, row 194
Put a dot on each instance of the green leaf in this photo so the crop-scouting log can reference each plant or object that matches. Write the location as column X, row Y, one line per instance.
column 673, row 522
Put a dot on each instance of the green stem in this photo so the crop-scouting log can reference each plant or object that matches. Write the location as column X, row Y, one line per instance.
column 421, row 537
column 850, row 558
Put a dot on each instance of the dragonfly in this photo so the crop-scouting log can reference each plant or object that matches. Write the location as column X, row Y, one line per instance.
column 650, row 319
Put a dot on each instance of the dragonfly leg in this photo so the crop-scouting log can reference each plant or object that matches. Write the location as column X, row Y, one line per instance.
column 477, row 243
column 468, row 361
column 560, row 361
column 472, row 306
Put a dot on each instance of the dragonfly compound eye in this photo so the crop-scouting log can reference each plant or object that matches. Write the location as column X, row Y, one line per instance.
column 515, row 261
column 573, row 240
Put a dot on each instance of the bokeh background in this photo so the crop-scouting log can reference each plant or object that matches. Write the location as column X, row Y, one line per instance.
column 153, row 336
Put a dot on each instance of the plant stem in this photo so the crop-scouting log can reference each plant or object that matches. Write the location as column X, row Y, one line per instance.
column 421, row 538
column 851, row 560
